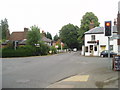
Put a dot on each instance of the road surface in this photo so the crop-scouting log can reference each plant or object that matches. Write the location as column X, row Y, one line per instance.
column 42, row 71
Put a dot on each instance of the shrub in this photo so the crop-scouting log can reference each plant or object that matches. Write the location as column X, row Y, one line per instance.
column 65, row 46
column 27, row 50
column 19, row 52
column 43, row 49
column 53, row 49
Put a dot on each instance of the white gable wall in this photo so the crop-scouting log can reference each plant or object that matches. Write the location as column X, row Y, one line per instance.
column 103, row 41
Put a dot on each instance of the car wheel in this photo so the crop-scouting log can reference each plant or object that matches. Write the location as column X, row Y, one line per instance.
column 102, row 55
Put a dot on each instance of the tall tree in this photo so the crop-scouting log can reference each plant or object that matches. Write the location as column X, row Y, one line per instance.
column 4, row 28
column 48, row 35
column 88, row 18
column 69, row 35
column 33, row 35
column 56, row 37
column 0, row 34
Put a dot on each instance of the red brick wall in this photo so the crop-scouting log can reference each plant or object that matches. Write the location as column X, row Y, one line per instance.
column 118, row 26
column 118, row 41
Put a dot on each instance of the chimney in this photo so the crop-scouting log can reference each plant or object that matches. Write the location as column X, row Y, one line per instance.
column 25, row 33
column 25, row 29
column 91, row 25
column 43, row 33
column 115, row 22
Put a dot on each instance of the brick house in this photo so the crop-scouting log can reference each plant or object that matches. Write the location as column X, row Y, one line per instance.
column 21, row 37
column 118, row 25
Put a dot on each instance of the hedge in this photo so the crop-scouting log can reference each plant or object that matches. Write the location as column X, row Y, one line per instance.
column 19, row 52
column 24, row 51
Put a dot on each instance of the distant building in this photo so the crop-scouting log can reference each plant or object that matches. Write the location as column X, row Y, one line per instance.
column 21, row 37
column 45, row 39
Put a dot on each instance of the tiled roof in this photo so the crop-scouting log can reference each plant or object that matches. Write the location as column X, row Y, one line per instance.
column 17, row 36
column 99, row 30
column 46, row 39
column 22, row 42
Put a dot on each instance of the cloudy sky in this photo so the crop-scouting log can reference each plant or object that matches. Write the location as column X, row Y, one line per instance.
column 51, row 15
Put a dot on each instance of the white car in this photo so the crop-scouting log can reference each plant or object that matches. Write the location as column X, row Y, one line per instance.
column 75, row 49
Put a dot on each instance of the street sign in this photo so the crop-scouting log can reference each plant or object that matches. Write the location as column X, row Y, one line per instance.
column 116, row 37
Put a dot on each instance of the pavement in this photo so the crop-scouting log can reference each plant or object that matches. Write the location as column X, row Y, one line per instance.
column 98, row 78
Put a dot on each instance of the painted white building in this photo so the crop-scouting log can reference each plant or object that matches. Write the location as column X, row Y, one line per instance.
column 95, row 42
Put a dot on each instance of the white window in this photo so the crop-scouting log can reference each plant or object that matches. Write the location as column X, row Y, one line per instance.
column 92, row 37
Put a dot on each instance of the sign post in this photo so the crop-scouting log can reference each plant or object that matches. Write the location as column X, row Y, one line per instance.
column 108, row 47
column 108, row 33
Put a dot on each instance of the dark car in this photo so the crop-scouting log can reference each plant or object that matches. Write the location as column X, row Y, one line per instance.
column 105, row 53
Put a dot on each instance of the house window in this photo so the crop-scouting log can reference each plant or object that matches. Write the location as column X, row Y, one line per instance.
column 86, row 49
column 93, row 38
column 95, row 48
column 111, row 47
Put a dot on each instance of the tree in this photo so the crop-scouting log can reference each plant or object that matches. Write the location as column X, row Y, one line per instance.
column 56, row 37
column 4, row 28
column 0, row 34
column 88, row 18
column 33, row 36
column 48, row 35
column 69, row 35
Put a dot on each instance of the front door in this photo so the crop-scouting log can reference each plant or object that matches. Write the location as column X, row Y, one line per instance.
column 91, row 50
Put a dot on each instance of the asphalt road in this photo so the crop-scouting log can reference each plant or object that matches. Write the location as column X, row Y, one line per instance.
column 42, row 71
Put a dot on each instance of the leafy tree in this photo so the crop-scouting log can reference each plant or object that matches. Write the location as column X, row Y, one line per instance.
column 33, row 36
column 48, row 35
column 85, row 24
column 69, row 35
column 4, row 28
column 0, row 34
column 56, row 37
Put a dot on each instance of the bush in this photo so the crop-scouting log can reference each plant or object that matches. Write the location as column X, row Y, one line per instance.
column 27, row 50
column 43, row 49
column 65, row 46
column 19, row 52
column 53, row 49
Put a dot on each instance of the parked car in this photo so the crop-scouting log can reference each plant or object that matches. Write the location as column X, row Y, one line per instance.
column 105, row 53
column 75, row 49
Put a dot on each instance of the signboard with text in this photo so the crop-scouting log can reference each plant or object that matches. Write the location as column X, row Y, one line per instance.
column 116, row 63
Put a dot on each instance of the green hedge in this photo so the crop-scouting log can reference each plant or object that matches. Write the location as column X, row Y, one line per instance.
column 27, row 50
column 19, row 52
